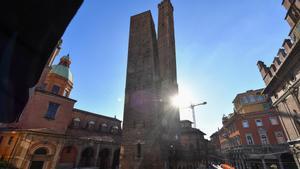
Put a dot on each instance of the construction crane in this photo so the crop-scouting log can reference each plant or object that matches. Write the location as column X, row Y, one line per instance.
column 192, row 106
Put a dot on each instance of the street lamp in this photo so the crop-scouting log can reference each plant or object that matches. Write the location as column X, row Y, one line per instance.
column 192, row 106
column 180, row 101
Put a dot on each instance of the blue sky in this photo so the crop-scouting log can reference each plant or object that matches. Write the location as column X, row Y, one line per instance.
column 217, row 43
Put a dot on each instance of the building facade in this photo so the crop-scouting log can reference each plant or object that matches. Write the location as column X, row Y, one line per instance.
column 252, row 137
column 282, row 79
column 52, row 134
column 193, row 149
column 215, row 154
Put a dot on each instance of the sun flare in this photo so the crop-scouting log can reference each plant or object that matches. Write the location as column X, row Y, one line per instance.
column 181, row 100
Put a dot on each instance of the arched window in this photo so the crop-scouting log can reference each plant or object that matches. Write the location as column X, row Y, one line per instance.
column 55, row 89
column 104, row 127
column 91, row 125
column 114, row 129
column 76, row 122
column 41, row 151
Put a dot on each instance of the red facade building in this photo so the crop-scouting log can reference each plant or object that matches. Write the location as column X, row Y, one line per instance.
column 252, row 136
column 52, row 134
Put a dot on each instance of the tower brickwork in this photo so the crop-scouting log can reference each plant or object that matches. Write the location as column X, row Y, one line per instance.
column 168, row 76
column 166, row 42
column 151, row 123
column 141, row 129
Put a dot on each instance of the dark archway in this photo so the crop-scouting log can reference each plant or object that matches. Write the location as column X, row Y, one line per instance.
column 288, row 161
column 38, row 158
column 103, row 159
column 86, row 157
column 116, row 159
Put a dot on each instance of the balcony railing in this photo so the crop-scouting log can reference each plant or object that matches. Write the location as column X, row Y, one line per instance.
column 257, row 149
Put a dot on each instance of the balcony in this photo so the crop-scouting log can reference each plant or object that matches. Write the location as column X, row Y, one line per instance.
column 257, row 149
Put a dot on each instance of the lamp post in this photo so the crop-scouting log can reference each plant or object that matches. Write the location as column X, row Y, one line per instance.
column 192, row 106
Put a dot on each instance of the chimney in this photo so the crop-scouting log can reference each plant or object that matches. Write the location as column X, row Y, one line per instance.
column 264, row 71
column 287, row 44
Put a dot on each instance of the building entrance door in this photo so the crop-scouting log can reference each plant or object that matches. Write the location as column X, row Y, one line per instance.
column 37, row 165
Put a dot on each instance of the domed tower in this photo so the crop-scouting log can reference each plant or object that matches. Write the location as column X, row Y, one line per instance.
column 60, row 80
column 49, row 106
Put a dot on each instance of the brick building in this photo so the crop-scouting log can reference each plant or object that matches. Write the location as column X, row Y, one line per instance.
column 51, row 133
column 282, row 79
column 192, row 151
column 252, row 136
column 215, row 154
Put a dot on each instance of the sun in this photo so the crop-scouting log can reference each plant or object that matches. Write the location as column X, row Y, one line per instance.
column 175, row 101
column 181, row 100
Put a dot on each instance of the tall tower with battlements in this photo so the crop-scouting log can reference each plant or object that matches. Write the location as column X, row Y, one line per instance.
column 150, row 125
column 168, row 76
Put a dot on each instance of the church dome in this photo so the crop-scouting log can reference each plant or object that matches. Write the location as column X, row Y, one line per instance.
column 63, row 69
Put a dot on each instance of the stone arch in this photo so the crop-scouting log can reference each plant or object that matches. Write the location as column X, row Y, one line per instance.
column 41, row 151
column 68, row 157
column 39, row 158
column 104, row 158
column 116, row 159
column 51, row 149
column 86, row 157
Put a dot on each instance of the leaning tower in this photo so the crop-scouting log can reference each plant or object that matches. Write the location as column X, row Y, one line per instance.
column 150, row 128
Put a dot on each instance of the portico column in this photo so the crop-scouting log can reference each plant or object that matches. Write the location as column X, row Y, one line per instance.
column 280, row 162
column 240, row 164
column 96, row 155
column 78, row 156
column 264, row 163
column 243, row 162
column 111, row 157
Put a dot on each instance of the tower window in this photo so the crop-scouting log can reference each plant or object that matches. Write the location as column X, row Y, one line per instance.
column 52, row 109
column 139, row 150
column 55, row 89
column 1, row 138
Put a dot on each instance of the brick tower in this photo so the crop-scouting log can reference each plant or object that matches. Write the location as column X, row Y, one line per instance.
column 150, row 122
column 168, row 76
column 50, row 106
